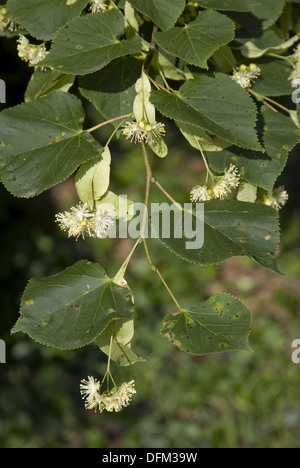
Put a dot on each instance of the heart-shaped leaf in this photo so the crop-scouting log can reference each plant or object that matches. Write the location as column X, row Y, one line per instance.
column 220, row 324
column 89, row 43
column 42, row 143
column 69, row 310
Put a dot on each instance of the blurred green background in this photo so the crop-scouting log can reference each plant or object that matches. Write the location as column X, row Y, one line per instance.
column 231, row 400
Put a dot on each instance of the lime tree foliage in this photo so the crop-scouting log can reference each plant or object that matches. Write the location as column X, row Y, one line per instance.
column 226, row 73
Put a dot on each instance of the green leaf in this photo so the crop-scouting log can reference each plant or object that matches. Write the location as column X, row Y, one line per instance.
column 198, row 40
column 43, row 82
column 279, row 135
column 162, row 13
column 93, row 178
column 268, row 11
column 121, row 333
column 231, row 228
column 89, row 43
column 225, row 58
column 268, row 83
column 216, row 104
column 42, row 143
column 69, row 310
column 43, row 18
column 231, row 5
column 219, row 324
column 112, row 90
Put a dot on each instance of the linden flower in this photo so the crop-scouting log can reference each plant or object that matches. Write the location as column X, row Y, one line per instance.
column 138, row 132
column 133, row 132
column 5, row 23
column 97, row 5
column 244, row 75
column 81, row 221
column 3, row 19
column 224, row 185
column 200, row 194
column 115, row 400
column 221, row 189
column 118, row 397
column 33, row 54
column 279, row 198
column 232, row 177
column 101, row 222
column 89, row 390
column 230, row 180
column 154, row 132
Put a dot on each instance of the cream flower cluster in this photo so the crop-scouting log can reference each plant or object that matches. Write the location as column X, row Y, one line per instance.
column 5, row 23
column 138, row 132
column 244, row 75
column 115, row 400
column 278, row 199
column 223, row 186
column 33, row 54
column 81, row 221
column 97, row 5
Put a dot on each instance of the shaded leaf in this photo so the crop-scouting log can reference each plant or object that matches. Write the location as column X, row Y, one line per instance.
column 232, row 5
column 268, row 11
column 43, row 82
column 112, row 90
column 268, row 83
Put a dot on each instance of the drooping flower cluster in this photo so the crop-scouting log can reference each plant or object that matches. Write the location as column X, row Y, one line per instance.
column 6, row 23
column 278, row 199
column 97, row 5
column 138, row 132
column 245, row 76
column 114, row 400
column 81, row 221
column 295, row 76
column 31, row 53
column 222, row 187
